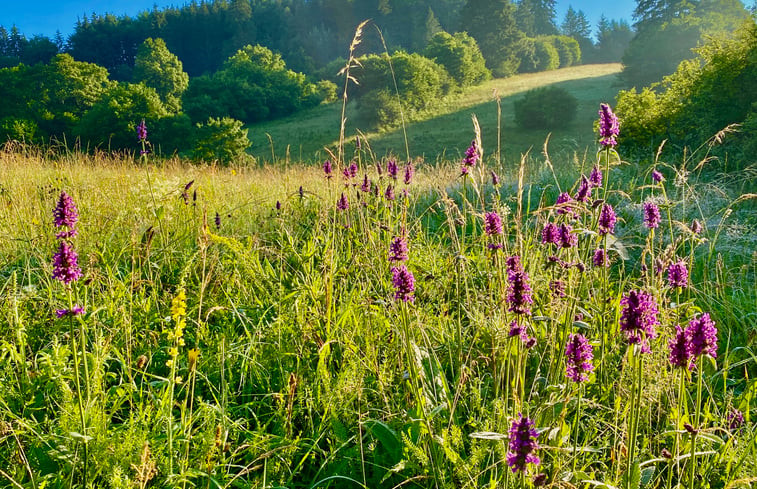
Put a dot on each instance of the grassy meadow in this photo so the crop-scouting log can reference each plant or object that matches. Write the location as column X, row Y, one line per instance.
column 437, row 136
column 380, row 327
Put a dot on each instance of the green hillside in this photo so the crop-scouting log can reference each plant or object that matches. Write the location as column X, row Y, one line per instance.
column 448, row 130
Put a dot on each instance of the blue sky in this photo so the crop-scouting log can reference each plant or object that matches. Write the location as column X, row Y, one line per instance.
column 46, row 16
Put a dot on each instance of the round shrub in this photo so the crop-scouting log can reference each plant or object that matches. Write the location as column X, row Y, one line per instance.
column 545, row 108
column 538, row 55
column 460, row 56
column 220, row 139
column 567, row 49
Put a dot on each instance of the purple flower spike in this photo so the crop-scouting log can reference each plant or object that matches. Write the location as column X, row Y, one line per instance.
column 409, row 172
column 343, row 203
column 471, row 155
column 398, row 249
column 639, row 318
column 678, row 274
column 703, row 336
column 600, row 258
column 550, row 234
column 680, row 356
column 522, row 444
column 391, row 169
column 657, row 176
column 142, row 131
column 579, row 354
column 595, row 177
column 404, row 284
column 492, row 224
column 389, row 194
column 65, row 264
column 366, row 186
column 583, row 194
column 519, row 296
column 327, row 169
column 567, row 238
column 563, row 199
column 609, row 127
column 696, row 227
column 735, row 419
column 66, row 215
column 607, row 220
column 651, row 215
column 495, row 179
column 558, row 288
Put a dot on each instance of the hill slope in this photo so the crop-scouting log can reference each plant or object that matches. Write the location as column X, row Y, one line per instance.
column 448, row 131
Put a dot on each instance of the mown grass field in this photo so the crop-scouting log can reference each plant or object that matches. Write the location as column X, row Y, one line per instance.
column 216, row 338
column 441, row 134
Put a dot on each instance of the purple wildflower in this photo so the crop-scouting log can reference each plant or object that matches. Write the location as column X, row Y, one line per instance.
column 328, row 169
column 398, row 249
column 595, row 177
column 389, row 194
column 680, row 355
column 639, row 318
column 391, row 169
column 142, row 131
column 651, row 215
column 583, row 194
column 607, row 220
column 513, row 264
column 703, row 336
column 492, row 224
column 600, row 258
column 567, row 238
column 609, row 127
column 696, row 227
column 366, row 186
column 471, row 156
column 735, row 419
column 65, row 264
column 558, row 288
column 66, row 215
column 550, row 234
column 278, row 205
column 517, row 330
column 519, row 295
column 218, row 221
column 657, row 176
column 522, row 444
column 562, row 200
column 77, row 310
column 409, row 172
column 678, row 274
column 495, row 179
column 404, row 284
column 579, row 354
column 343, row 203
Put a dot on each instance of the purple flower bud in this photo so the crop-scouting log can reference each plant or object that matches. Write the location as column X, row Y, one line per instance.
column 600, row 258
column 495, row 179
column 579, row 354
column 65, row 264
column 492, row 224
column 366, row 186
column 66, row 215
column 77, row 310
column 142, row 131
column 471, row 155
column 735, row 419
column 519, row 295
column 651, row 215
column 278, row 205
column 657, row 176
column 550, row 234
column 389, row 194
column 409, row 172
column 558, row 288
column 583, row 194
column 218, row 221
column 404, row 284
column 327, row 169
column 680, row 355
column 392, row 169
column 607, row 220
column 703, row 336
column 678, row 274
column 567, row 238
column 398, row 250
column 609, row 127
column 696, row 227
column 562, row 200
column 353, row 169
column 639, row 317
column 522, row 444
column 343, row 203
column 595, row 177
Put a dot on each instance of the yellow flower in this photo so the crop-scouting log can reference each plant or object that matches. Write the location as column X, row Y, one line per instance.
column 179, row 305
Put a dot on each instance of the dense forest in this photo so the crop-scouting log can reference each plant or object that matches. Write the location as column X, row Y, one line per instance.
column 245, row 61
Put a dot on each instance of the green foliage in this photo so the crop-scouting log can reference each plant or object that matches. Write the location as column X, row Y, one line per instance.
column 545, row 108
column 111, row 123
column 222, row 139
column 538, row 55
column 420, row 83
column 460, row 56
column 253, row 85
column 613, row 38
column 157, row 67
column 680, row 27
column 12, row 128
column 568, row 50
column 701, row 98
column 492, row 24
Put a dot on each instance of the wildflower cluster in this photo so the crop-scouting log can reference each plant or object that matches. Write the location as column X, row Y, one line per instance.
column 522, row 444
column 579, row 354
column 66, row 260
column 179, row 319
column 639, row 318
